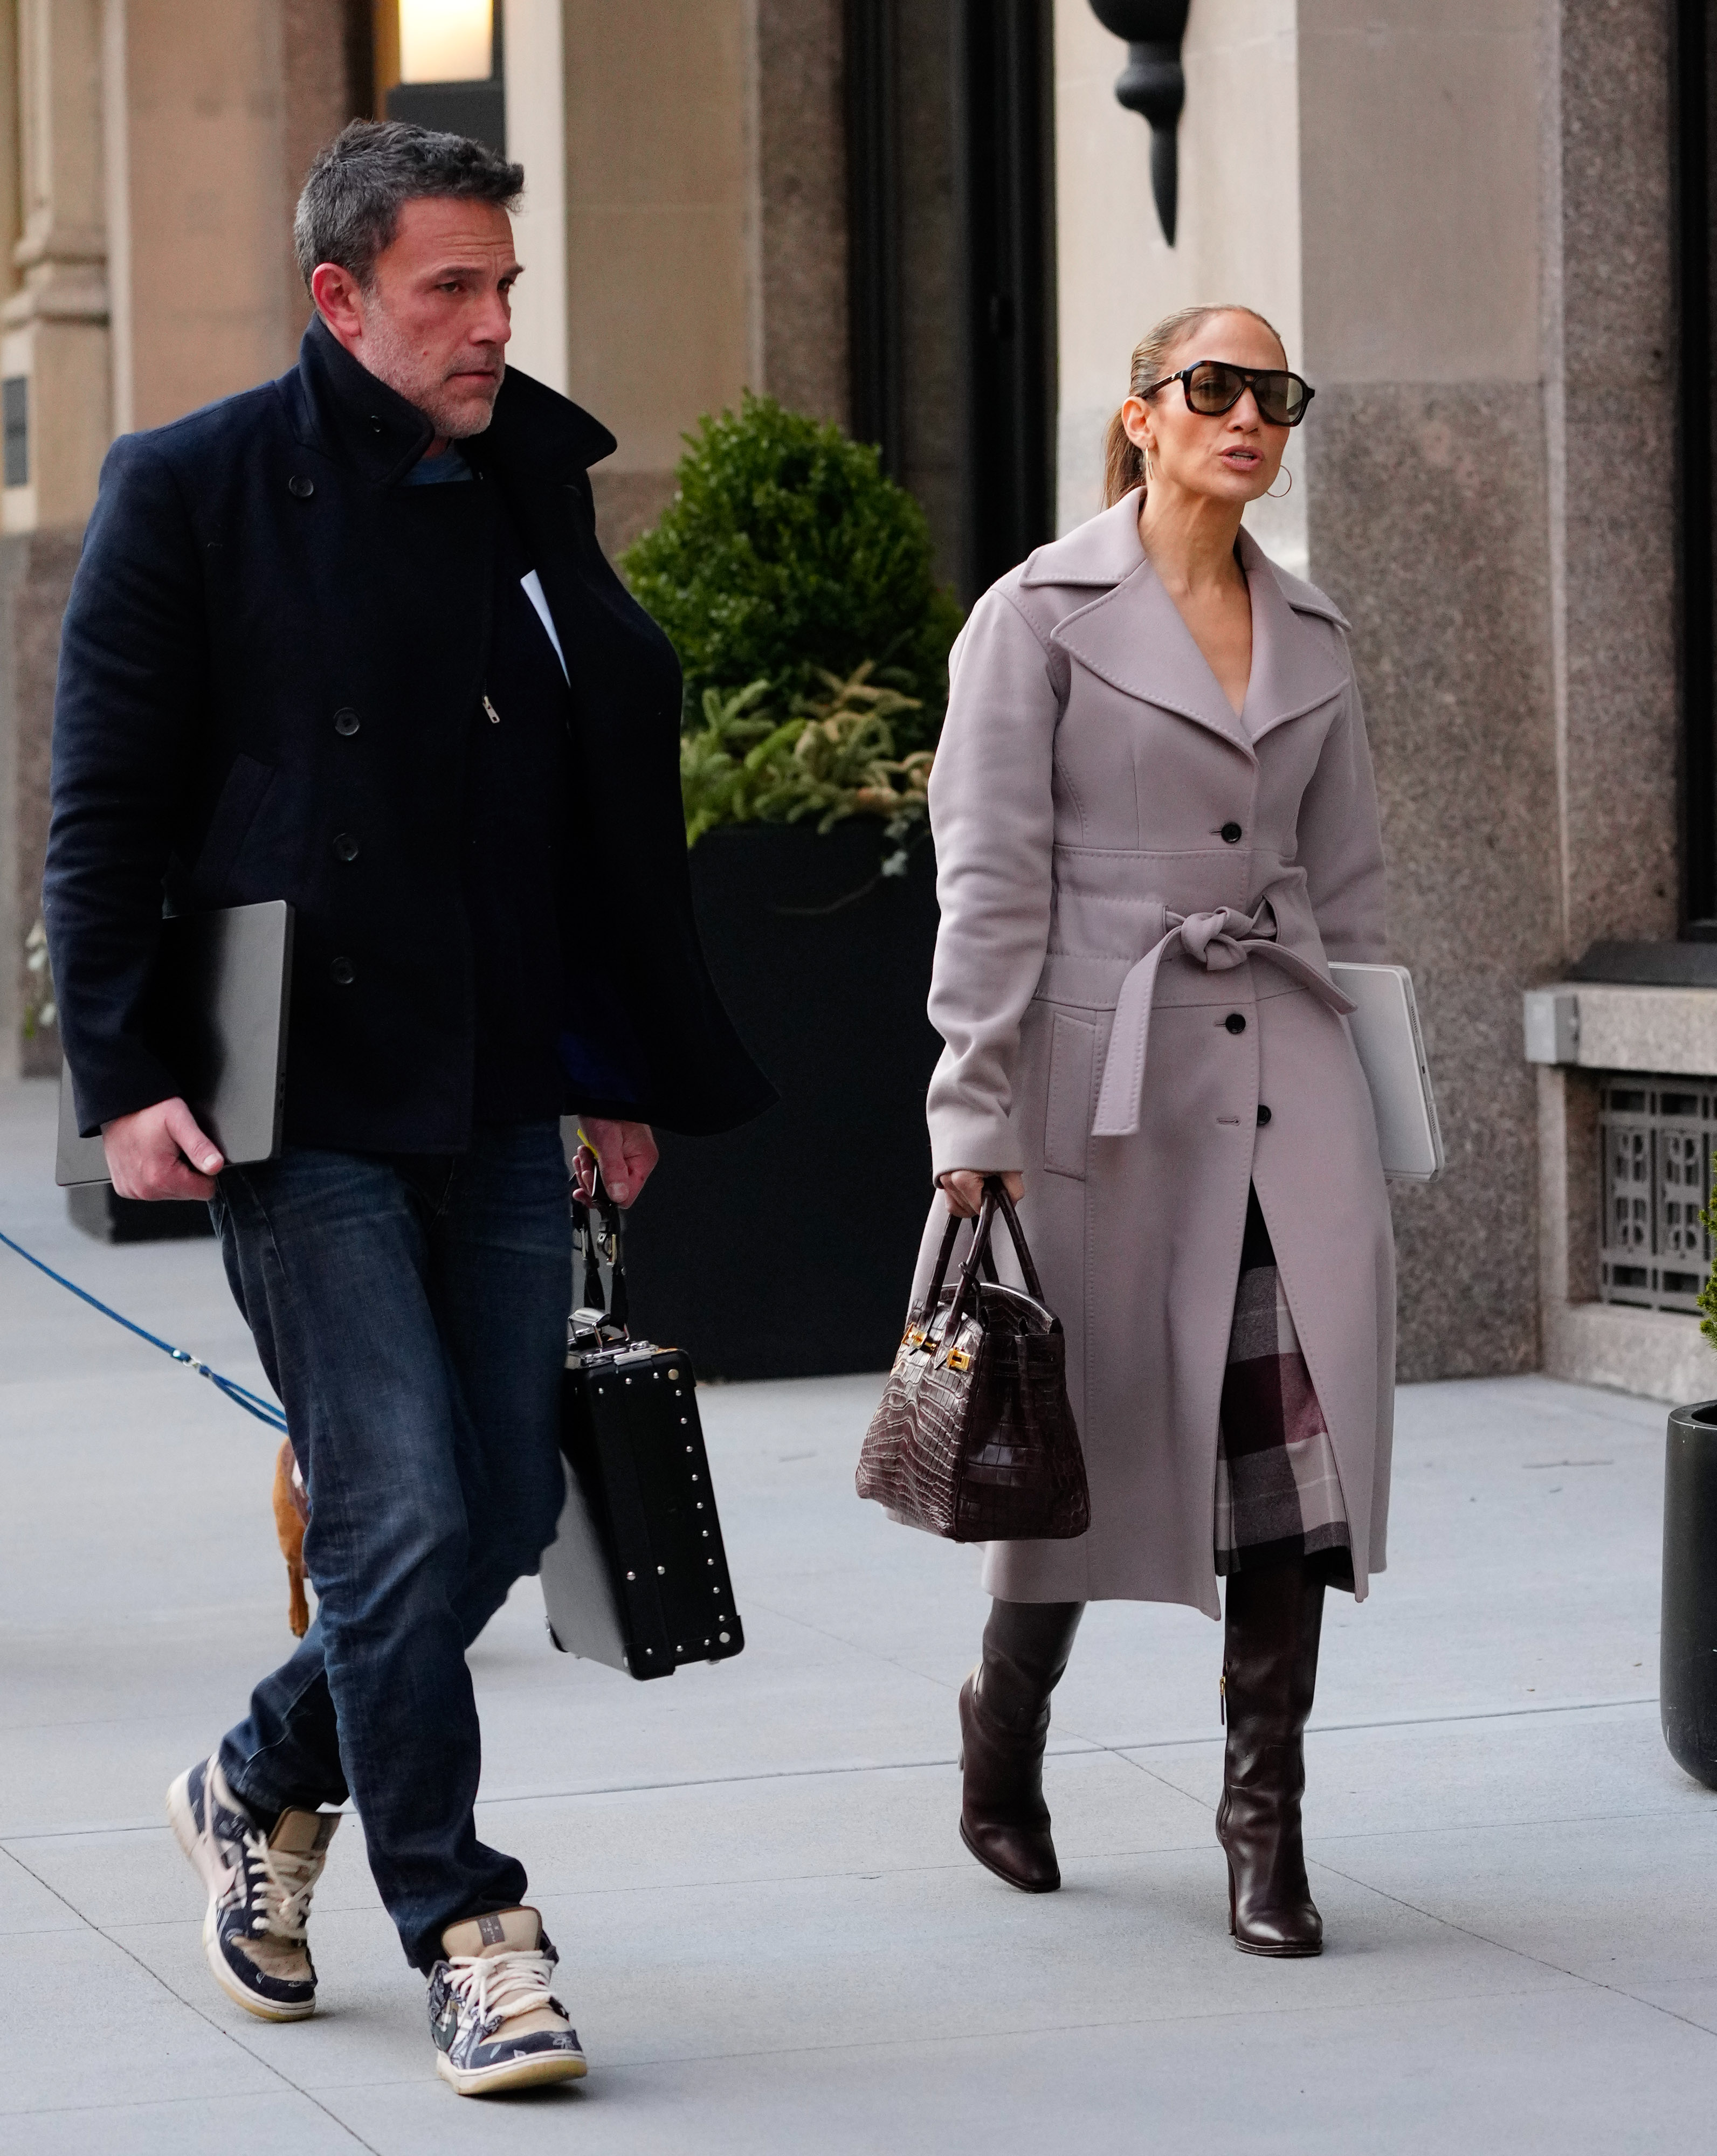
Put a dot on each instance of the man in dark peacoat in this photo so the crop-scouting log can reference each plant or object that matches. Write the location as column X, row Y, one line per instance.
column 348, row 640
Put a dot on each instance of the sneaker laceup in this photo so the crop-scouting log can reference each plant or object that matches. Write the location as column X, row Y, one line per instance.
column 260, row 1887
column 496, row 2023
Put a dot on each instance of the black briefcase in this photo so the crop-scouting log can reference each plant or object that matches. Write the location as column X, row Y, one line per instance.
column 636, row 1576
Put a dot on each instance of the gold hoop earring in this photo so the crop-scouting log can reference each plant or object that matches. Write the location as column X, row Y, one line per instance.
column 1274, row 497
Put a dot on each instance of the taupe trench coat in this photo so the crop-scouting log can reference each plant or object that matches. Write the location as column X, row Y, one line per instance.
column 1127, row 872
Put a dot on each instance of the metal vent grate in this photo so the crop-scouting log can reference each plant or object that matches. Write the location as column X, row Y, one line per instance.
column 1657, row 1136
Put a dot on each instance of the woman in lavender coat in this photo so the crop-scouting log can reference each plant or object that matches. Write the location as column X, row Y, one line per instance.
column 1155, row 825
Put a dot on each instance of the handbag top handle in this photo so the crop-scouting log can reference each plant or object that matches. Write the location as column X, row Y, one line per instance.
column 979, row 1258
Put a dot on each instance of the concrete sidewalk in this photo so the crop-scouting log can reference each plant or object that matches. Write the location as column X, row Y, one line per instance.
column 771, row 1939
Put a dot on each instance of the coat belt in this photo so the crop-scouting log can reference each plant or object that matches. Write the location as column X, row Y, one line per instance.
column 1218, row 942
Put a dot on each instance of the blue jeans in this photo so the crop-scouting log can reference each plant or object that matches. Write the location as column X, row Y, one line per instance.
column 411, row 1314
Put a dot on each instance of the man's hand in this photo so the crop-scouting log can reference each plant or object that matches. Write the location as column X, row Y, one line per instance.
column 625, row 1152
column 160, row 1152
column 963, row 1188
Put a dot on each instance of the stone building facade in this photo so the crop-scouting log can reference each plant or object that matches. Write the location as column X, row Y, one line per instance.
column 1484, row 229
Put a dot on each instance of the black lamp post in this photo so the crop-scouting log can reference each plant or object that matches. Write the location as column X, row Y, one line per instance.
column 1152, row 83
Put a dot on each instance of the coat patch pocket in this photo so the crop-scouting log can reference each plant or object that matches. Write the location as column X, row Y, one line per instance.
column 1073, row 1063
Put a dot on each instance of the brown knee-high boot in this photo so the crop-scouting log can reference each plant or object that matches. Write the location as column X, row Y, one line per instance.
column 1004, row 1727
column 1270, row 1671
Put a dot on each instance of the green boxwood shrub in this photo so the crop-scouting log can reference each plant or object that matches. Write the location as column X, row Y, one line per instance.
column 787, row 555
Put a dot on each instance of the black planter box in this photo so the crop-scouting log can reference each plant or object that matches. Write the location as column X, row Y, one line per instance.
column 1687, row 1689
column 785, row 1249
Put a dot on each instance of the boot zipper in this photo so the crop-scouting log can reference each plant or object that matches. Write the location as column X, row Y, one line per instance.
column 1223, row 1699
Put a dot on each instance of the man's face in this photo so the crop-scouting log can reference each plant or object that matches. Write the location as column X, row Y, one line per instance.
column 434, row 321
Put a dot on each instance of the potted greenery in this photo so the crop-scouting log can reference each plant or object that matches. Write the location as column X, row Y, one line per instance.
column 795, row 579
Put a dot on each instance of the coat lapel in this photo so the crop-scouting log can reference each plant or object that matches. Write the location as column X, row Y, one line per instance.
column 1132, row 635
column 1295, row 668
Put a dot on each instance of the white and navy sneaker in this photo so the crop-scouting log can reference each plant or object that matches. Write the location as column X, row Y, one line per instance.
column 260, row 1887
column 495, row 2024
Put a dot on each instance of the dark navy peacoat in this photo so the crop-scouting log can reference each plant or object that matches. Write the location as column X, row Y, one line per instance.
column 266, row 690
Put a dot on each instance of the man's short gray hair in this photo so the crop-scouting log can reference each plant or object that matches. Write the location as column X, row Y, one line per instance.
column 349, row 210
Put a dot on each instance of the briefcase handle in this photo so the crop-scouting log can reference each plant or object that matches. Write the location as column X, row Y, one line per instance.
column 609, row 1242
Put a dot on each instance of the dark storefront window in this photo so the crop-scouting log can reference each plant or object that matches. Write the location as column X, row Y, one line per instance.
column 951, row 266
column 1003, row 80
column 1696, row 55
column 873, row 236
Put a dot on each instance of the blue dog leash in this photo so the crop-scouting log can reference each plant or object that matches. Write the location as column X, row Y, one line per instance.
column 265, row 1411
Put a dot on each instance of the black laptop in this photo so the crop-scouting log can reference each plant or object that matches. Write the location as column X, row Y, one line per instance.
column 218, row 1008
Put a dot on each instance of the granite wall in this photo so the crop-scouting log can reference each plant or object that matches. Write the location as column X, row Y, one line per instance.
column 800, row 291
column 931, row 296
column 1611, row 425
column 1428, row 521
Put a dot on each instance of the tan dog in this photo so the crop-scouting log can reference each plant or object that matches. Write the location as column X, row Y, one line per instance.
column 291, row 1518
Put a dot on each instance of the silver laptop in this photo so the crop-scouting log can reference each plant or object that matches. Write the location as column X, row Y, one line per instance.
column 218, row 1007
column 1392, row 1053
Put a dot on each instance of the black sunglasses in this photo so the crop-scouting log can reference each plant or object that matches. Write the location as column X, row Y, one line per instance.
column 1212, row 387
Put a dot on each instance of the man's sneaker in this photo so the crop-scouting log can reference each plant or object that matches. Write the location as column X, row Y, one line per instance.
column 495, row 2022
column 260, row 1887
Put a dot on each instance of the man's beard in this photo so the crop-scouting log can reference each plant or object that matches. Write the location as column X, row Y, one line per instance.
column 390, row 358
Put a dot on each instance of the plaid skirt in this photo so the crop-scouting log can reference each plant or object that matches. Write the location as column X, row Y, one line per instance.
column 1278, row 1495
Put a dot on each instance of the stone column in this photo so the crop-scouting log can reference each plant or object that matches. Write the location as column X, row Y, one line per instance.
column 54, row 346
column 55, row 327
column 537, row 138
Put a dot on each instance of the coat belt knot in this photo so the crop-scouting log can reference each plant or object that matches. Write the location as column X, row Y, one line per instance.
column 1219, row 941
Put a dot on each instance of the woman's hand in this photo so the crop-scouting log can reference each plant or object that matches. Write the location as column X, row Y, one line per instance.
column 963, row 1188
column 625, row 1152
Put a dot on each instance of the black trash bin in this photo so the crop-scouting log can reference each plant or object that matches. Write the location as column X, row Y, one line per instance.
column 785, row 1250
column 1688, row 1679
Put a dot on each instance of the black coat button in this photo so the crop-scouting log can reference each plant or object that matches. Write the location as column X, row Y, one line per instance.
column 300, row 486
column 345, row 846
column 342, row 969
column 1263, row 1113
column 345, row 721
column 1234, row 1023
column 1232, row 833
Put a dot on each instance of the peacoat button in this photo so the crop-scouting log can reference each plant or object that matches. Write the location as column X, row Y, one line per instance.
column 1263, row 1113
column 1234, row 1023
column 345, row 721
column 343, row 972
column 1232, row 833
column 300, row 486
column 345, row 846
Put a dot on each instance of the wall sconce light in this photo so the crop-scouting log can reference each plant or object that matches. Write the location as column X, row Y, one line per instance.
column 1153, row 85
column 446, row 40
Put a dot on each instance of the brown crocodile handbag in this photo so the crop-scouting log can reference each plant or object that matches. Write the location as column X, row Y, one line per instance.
column 974, row 1437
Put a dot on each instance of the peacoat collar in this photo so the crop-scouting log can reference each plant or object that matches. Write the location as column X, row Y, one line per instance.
column 1131, row 634
column 338, row 406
